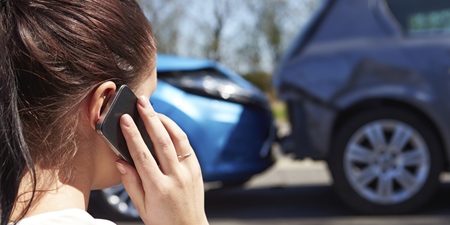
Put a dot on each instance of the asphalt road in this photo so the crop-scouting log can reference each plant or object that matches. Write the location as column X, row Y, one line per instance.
column 299, row 192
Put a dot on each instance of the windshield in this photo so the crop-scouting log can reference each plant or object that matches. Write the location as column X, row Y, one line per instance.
column 422, row 16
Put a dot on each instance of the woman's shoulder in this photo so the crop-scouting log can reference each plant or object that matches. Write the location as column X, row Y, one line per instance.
column 65, row 217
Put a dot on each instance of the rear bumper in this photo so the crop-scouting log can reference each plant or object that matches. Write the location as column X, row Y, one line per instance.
column 311, row 130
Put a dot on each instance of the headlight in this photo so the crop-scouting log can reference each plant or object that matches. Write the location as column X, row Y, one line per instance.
column 211, row 83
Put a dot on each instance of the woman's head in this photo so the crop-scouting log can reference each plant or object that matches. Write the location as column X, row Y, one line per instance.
column 54, row 55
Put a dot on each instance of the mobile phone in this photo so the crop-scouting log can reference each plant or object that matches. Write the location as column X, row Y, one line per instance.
column 123, row 101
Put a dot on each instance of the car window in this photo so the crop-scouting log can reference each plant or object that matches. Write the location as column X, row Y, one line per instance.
column 419, row 17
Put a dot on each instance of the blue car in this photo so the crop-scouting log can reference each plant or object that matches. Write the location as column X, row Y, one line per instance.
column 227, row 119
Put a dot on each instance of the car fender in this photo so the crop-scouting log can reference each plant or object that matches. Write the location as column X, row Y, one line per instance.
column 419, row 99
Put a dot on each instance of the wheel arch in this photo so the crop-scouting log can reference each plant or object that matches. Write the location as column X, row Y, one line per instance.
column 369, row 104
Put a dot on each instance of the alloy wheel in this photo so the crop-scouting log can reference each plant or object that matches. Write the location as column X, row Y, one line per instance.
column 120, row 201
column 386, row 161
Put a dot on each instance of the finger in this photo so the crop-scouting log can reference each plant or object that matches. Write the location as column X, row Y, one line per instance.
column 179, row 139
column 143, row 160
column 164, row 148
column 132, row 183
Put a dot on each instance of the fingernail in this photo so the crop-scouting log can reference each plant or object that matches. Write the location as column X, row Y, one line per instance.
column 126, row 120
column 121, row 168
column 143, row 101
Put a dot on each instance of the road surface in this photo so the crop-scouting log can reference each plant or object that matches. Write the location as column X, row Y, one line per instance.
column 299, row 192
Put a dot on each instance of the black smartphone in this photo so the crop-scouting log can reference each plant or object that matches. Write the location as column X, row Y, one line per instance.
column 123, row 101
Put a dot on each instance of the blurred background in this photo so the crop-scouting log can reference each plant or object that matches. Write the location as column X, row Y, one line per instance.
column 247, row 36
column 307, row 111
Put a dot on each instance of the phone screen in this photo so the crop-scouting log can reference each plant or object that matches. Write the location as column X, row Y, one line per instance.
column 108, row 126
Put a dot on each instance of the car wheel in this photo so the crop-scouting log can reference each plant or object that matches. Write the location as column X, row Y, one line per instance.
column 385, row 161
column 235, row 183
column 115, row 204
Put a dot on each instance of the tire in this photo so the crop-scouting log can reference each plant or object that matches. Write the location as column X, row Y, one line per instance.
column 114, row 204
column 396, row 176
column 235, row 183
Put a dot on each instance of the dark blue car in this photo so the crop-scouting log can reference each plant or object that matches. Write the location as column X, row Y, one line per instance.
column 227, row 119
column 367, row 87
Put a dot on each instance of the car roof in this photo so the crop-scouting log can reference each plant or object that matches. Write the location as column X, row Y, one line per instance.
column 171, row 63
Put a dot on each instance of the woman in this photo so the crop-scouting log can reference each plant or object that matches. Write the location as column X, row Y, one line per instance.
column 59, row 61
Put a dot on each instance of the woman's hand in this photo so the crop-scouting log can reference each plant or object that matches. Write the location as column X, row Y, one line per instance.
column 171, row 193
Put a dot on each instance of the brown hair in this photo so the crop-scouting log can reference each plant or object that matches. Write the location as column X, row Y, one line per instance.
column 54, row 53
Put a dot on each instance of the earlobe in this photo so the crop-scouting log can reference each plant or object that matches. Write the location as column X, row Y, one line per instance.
column 98, row 100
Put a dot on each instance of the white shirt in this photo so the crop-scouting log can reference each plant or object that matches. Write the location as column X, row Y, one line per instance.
column 65, row 217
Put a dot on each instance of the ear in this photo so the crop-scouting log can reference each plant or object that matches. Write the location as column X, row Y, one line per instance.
column 98, row 99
